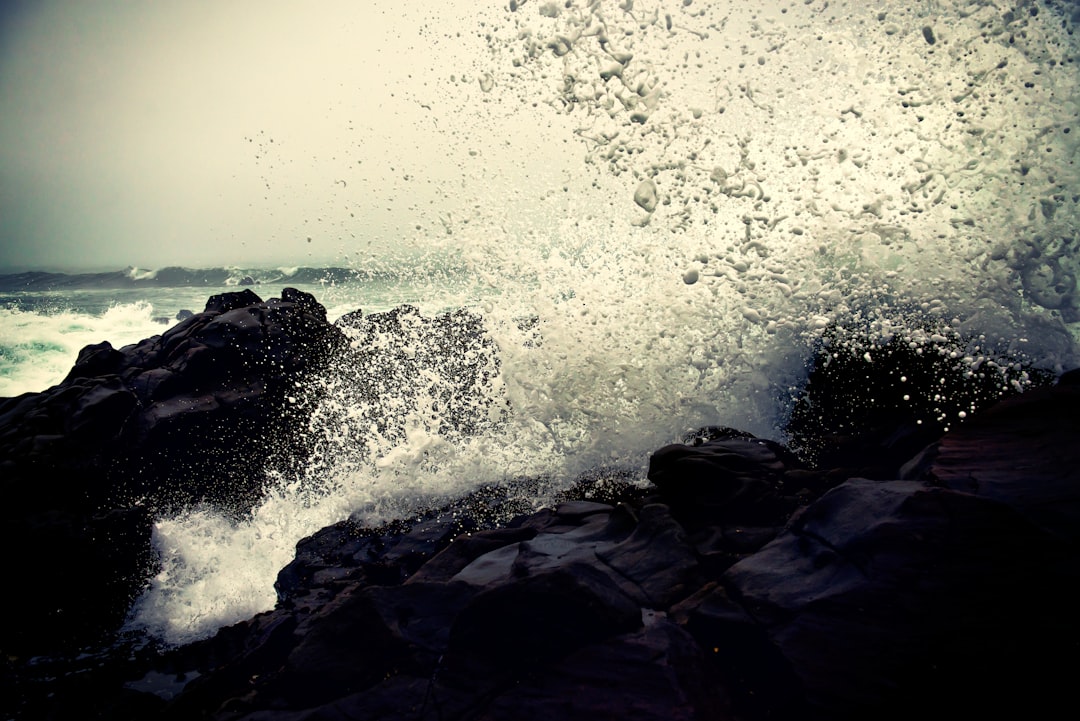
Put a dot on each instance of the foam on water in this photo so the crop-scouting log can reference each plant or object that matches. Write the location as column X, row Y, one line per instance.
column 747, row 176
column 42, row 331
column 38, row 348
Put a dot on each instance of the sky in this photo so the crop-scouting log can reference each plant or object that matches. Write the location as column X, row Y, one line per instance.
column 258, row 132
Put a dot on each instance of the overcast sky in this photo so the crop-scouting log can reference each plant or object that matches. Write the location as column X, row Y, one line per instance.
column 210, row 132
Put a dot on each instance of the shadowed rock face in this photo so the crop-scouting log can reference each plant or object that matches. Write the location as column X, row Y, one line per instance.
column 200, row 414
column 869, row 405
column 741, row 586
column 738, row 585
column 192, row 415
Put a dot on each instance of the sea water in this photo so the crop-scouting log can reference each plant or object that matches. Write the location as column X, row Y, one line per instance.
column 742, row 178
column 45, row 319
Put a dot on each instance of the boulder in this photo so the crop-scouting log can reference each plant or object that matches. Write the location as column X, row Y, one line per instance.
column 739, row 584
column 193, row 415
column 872, row 598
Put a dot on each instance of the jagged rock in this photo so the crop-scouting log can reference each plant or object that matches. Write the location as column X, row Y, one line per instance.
column 887, row 594
column 657, row 558
column 726, row 477
column 758, row 678
column 740, row 585
column 874, row 400
column 192, row 415
column 541, row 616
column 1022, row 452
column 653, row 673
column 347, row 553
column 880, row 598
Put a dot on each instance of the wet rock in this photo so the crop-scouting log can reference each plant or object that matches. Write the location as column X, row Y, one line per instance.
column 540, row 617
column 348, row 552
column 959, row 589
column 359, row 638
column 876, row 599
column 657, row 558
column 656, row 673
column 467, row 548
column 193, row 415
column 224, row 302
column 741, row 584
column 726, row 477
column 1022, row 452
column 869, row 404
column 759, row 679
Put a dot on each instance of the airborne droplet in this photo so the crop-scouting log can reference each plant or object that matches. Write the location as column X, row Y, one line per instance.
column 645, row 195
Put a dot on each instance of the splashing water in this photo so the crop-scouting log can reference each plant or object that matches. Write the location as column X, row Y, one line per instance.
column 37, row 349
column 718, row 184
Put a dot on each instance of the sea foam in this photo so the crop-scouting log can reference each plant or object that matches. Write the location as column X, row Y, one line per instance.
column 38, row 348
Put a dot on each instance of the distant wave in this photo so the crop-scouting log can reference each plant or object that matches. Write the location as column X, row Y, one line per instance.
column 177, row 277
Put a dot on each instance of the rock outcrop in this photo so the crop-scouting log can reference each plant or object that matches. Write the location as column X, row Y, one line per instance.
column 739, row 587
column 737, row 584
column 193, row 415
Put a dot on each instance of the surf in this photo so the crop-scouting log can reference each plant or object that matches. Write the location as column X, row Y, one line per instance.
column 748, row 184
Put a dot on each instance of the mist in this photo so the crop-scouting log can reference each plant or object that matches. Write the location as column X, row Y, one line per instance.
column 203, row 133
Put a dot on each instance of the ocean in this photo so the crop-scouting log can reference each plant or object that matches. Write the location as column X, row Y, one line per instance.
column 750, row 178
column 46, row 318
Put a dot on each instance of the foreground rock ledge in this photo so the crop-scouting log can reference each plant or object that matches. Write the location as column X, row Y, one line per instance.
column 741, row 585
column 192, row 415
column 727, row 593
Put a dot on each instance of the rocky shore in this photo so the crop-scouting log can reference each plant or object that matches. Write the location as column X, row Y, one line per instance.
column 921, row 576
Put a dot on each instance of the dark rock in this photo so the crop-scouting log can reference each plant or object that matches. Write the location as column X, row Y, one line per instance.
column 1022, row 452
column 224, row 302
column 732, row 487
column 870, row 404
column 95, row 360
column 347, row 552
column 467, row 548
column 197, row 414
column 877, row 599
column 542, row 617
column 958, row 589
column 559, row 540
column 657, row 558
column 657, row 672
column 359, row 637
column 742, row 584
column 759, row 679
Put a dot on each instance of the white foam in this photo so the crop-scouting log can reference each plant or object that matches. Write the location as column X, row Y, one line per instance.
column 39, row 348
column 140, row 274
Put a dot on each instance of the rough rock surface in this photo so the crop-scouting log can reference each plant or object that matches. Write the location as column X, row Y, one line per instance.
column 189, row 416
column 738, row 584
column 737, row 588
